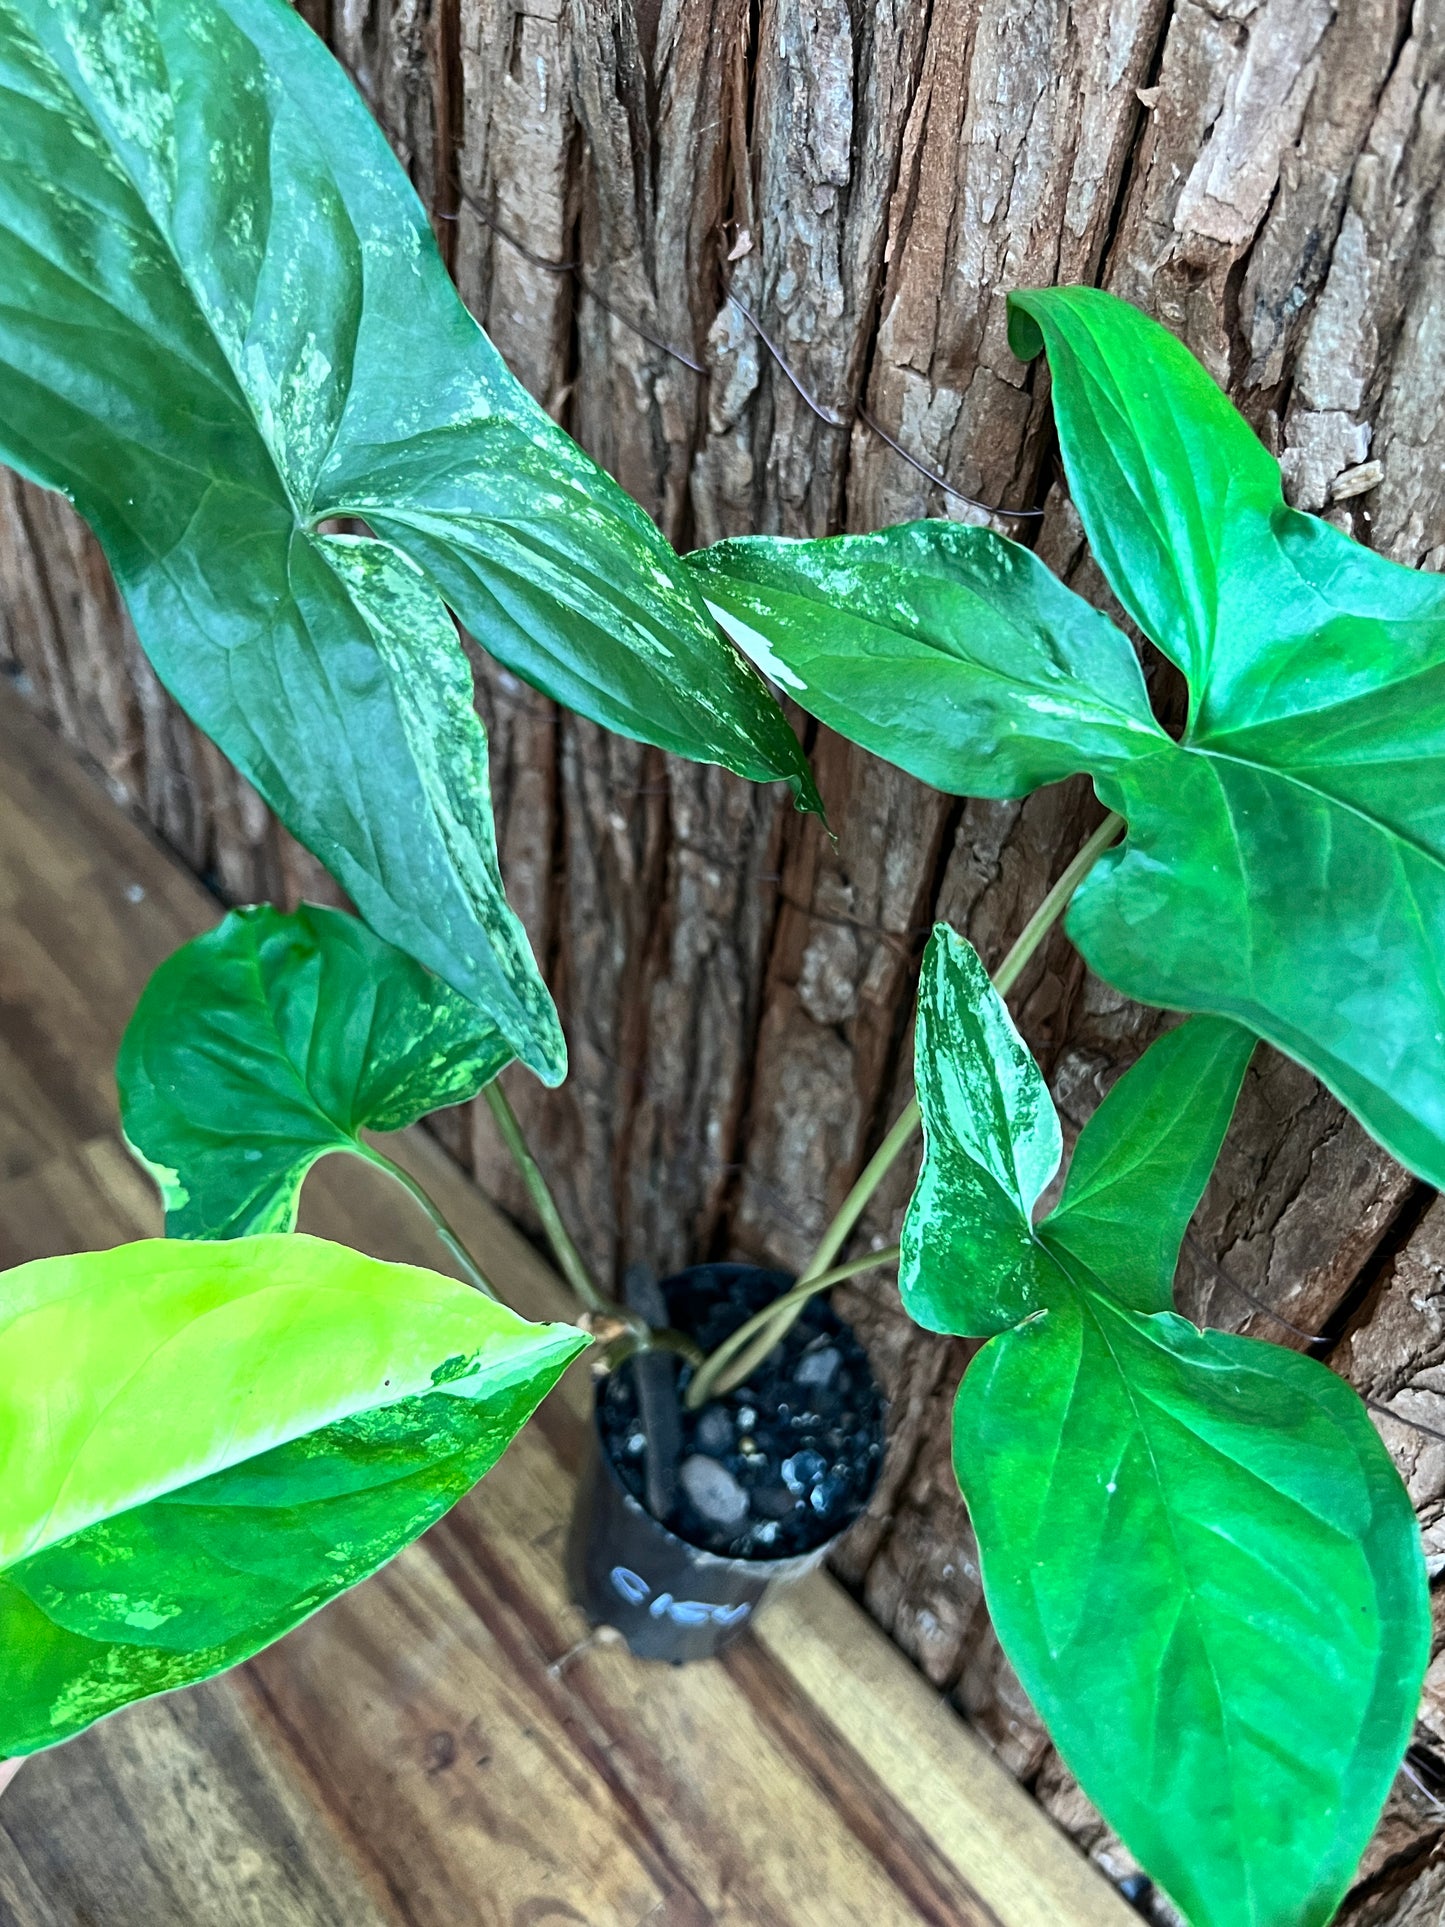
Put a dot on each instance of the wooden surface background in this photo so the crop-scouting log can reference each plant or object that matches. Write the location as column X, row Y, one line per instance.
column 444, row 1746
column 872, row 177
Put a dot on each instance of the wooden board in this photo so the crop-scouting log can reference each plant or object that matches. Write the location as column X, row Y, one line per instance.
column 872, row 180
column 444, row 1744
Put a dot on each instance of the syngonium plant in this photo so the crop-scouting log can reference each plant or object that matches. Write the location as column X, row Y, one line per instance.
column 1196, row 1550
column 228, row 338
column 1197, row 1554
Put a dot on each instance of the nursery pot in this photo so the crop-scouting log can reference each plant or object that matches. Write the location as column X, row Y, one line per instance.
column 685, row 1588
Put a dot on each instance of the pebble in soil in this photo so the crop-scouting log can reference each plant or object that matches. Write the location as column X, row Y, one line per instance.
column 785, row 1461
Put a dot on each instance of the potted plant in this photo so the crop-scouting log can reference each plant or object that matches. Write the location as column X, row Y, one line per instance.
column 277, row 1039
column 210, row 258
column 201, row 350
column 1194, row 1547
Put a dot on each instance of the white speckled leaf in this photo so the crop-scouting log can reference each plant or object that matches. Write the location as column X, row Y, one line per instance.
column 1197, row 1554
column 944, row 648
column 992, row 1142
column 202, row 1443
column 225, row 324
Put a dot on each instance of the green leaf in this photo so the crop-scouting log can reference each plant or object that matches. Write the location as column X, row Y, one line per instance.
column 1196, row 1551
column 1143, row 1159
column 274, row 1039
column 1203, row 1565
column 225, row 325
column 1285, row 861
column 943, row 648
column 1165, row 472
column 991, row 1144
column 200, row 1444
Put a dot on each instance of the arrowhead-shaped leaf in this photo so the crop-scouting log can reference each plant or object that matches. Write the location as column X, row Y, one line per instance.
column 992, row 1143
column 1206, row 1572
column 1285, row 862
column 200, row 1444
column 274, row 1039
column 226, row 324
column 1196, row 1551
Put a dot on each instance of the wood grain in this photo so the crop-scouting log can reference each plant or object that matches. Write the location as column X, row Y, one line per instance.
column 446, row 1743
column 1265, row 175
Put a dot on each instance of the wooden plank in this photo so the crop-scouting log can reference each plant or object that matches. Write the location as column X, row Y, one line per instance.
column 932, row 1765
column 446, row 1743
column 181, row 1813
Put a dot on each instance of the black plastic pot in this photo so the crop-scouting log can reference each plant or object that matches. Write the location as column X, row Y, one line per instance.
column 671, row 1599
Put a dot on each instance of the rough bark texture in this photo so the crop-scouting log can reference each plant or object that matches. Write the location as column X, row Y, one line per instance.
column 872, row 178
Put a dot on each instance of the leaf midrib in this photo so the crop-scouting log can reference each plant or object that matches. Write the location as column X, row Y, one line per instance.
column 1129, row 721
column 1088, row 1309
column 1322, row 795
column 349, row 1135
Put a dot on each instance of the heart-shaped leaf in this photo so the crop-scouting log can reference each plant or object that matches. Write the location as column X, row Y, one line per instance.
column 200, row 1444
column 274, row 1039
column 1206, row 1572
column 225, row 326
column 1196, row 1551
column 1285, row 862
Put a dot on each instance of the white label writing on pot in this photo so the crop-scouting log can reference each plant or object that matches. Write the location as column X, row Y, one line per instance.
column 632, row 1587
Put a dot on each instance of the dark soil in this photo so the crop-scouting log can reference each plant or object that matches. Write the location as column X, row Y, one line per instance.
column 787, row 1460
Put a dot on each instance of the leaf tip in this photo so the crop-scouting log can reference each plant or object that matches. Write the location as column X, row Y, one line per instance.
column 1025, row 336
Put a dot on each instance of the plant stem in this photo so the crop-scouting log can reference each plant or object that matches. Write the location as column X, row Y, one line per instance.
column 569, row 1259
column 471, row 1270
column 773, row 1322
column 1054, row 904
column 869, row 1179
column 730, row 1364
column 1004, row 979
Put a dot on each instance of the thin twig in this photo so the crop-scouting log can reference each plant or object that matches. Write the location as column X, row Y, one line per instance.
column 860, row 413
column 1408, row 1769
column 932, row 475
column 823, row 414
column 1213, row 1264
column 575, row 268
column 1430, row 1431
column 831, row 418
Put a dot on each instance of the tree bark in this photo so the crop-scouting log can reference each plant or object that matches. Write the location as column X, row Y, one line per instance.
column 872, row 177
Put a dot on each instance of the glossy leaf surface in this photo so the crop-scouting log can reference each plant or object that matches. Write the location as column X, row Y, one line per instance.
column 1142, row 1162
column 1197, row 1553
column 274, row 1039
column 1285, row 861
column 992, row 1142
column 200, row 1444
column 1203, row 1565
column 941, row 647
column 225, row 326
